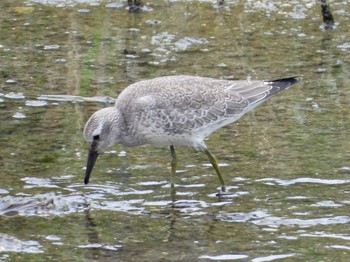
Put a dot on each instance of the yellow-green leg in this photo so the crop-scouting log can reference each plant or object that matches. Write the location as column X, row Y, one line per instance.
column 214, row 163
column 173, row 171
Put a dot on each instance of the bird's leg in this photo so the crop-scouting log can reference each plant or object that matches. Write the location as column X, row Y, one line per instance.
column 214, row 163
column 173, row 170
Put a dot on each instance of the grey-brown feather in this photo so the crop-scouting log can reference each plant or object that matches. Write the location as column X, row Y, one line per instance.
column 189, row 104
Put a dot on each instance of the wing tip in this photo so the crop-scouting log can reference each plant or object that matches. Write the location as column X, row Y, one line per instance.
column 284, row 82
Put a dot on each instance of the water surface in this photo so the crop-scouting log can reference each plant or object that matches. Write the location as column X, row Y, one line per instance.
column 287, row 163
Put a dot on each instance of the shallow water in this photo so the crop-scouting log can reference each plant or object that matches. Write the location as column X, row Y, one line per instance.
column 287, row 163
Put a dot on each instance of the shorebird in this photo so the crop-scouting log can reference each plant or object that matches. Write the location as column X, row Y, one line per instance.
column 175, row 110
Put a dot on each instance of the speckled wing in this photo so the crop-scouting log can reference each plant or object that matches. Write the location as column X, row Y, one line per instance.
column 195, row 104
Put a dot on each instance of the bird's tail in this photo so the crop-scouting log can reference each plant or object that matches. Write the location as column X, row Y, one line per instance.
column 263, row 90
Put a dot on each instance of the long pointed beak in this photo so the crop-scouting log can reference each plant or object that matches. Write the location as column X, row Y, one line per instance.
column 90, row 164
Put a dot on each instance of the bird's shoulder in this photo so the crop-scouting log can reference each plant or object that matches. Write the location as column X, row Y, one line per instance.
column 179, row 91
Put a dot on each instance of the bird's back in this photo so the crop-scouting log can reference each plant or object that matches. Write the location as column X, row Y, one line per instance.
column 190, row 106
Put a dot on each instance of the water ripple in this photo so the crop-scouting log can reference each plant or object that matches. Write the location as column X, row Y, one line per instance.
column 262, row 218
column 224, row 257
column 340, row 247
column 326, row 235
column 273, row 257
column 42, row 205
column 272, row 221
column 72, row 98
column 101, row 246
column 14, row 95
column 35, row 103
column 12, row 244
column 131, row 206
column 304, row 180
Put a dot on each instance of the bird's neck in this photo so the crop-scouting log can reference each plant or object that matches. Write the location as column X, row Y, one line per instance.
column 127, row 139
column 130, row 135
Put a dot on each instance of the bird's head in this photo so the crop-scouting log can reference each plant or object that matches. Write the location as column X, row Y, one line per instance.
column 101, row 130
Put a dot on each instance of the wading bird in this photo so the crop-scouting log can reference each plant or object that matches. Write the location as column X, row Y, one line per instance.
column 175, row 110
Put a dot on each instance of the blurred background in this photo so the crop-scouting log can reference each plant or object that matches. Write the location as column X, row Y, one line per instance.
column 287, row 163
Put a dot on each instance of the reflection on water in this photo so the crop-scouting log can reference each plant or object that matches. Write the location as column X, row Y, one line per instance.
column 12, row 244
column 286, row 163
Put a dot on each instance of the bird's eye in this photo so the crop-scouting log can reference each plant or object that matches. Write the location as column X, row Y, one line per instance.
column 96, row 137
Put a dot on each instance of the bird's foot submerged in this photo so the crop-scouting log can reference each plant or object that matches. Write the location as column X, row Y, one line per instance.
column 225, row 193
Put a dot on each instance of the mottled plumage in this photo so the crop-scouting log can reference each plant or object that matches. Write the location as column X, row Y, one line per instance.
column 175, row 110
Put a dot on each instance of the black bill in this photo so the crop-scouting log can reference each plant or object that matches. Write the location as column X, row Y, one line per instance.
column 90, row 164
